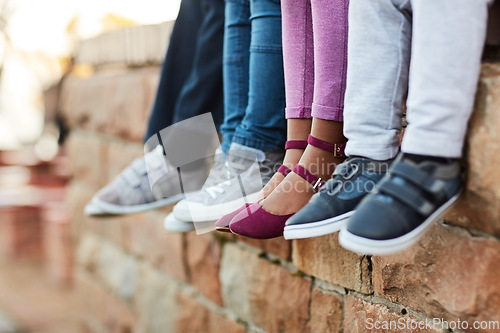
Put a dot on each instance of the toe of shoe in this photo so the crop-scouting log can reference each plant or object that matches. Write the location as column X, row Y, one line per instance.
column 172, row 224
column 376, row 220
column 182, row 211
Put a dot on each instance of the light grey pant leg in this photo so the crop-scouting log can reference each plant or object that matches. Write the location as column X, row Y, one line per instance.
column 377, row 76
column 448, row 40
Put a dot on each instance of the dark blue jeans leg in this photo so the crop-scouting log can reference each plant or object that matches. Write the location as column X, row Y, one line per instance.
column 235, row 67
column 202, row 92
column 176, row 66
column 263, row 124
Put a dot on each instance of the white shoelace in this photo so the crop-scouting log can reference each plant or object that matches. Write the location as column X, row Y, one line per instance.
column 215, row 190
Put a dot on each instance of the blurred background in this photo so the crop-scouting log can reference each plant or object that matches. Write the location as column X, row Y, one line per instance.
column 38, row 43
column 77, row 81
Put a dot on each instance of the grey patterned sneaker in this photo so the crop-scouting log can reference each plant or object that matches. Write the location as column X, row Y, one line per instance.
column 131, row 192
column 403, row 205
column 232, row 182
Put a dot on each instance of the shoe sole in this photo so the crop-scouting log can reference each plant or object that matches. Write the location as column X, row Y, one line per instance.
column 173, row 225
column 205, row 213
column 123, row 210
column 223, row 229
column 316, row 229
column 366, row 246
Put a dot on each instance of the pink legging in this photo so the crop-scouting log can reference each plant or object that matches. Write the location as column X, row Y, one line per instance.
column 315, row 57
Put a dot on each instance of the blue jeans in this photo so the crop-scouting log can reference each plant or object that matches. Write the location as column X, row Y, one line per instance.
column 254, row 89
column 191, row 75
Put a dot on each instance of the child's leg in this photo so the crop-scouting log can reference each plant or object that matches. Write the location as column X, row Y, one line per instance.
column 448, row 40
column 298, row 63
column 330, row 29
column 328, row 22
column 425, row 180
column 235, row 66
column 298, row 57
column 263, row 125
column 378, row 58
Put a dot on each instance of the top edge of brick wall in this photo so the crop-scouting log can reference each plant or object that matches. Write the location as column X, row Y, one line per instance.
column 131, row 46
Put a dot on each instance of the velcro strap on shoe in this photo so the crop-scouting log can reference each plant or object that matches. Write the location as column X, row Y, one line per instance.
column 418, row 177
column 407, row 195
column 336, row 148
column 316, row 182
column 296, row 144
column 131, row 177
column 284, row 170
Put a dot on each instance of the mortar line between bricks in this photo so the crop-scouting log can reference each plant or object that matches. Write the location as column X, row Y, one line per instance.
column 309, row 302
column 475, row 233
column 196, row 295
column 396, row 307
column 289, row 266
column 273, row 259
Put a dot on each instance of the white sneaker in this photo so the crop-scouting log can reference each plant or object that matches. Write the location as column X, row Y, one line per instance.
column 232, row 182
column 172, row 224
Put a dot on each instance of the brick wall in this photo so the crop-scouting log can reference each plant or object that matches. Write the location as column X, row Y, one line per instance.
column 135, row 277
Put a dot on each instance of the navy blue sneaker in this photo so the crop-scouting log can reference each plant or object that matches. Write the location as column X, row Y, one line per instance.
column 329, row 209
column 403, row 205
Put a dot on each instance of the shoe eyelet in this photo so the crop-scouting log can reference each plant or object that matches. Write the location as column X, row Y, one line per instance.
column 352, row 172
column 335, row 189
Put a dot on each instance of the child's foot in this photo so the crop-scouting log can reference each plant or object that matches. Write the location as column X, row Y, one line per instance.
column 403, row 205
column 266, row 218
column 329, row 209
column 294, row 192
column 292, row 157
column 294, row 150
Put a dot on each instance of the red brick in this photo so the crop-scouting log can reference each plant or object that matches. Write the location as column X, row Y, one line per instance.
column 361, row 316
column 324, row 258
column 203, row 258
column 155, row 301
column 326, row 313
column 21, row 232
column 119, row 155
column 101, row 310
column 148, row 239
column 267, row 295
column 104, row 102
column 57, row 243
column 479, row 207
column 87, row 156
column 129, row 114
column 195, row 317
column 448, row 274
column 79, row 194
column 277, row 246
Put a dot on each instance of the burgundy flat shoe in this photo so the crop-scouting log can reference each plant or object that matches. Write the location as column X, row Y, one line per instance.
column 222, row 224
column 255, row 222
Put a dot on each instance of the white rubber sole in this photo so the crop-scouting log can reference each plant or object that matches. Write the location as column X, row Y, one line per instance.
column 316, row 229
column 108, row 208
column 91, row 210
column 171, row 224
column 197, row 212
column 367, row 246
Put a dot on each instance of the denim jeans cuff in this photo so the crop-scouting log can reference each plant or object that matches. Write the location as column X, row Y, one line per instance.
column 257, row 144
